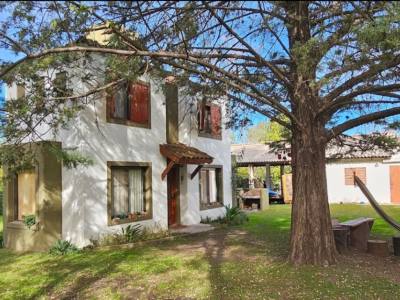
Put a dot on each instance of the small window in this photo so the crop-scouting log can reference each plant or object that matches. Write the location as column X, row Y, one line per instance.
column 39, row 87
column 209, row 120
column 210, row 187
column 60, row 85
column 349, row 175
column 25, row 198
column 130, row 105
column 130, row 191
column 20, row 91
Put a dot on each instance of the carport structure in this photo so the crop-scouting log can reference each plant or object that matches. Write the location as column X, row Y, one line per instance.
column 260, row 155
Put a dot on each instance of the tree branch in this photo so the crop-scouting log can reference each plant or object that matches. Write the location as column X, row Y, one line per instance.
column 261, row 111
column 273, row 68
column 335, row 131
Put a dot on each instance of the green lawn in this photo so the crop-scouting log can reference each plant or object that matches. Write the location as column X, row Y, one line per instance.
column 245, row 262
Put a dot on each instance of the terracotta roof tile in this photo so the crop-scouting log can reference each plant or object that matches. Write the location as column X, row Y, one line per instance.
column 183, row 154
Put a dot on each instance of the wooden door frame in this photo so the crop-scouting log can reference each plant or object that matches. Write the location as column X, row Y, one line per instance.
column 178, row 198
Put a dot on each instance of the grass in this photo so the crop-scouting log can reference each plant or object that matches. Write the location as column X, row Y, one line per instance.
column 246, row 262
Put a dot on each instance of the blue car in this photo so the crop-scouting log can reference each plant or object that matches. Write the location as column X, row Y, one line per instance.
column 274, row 196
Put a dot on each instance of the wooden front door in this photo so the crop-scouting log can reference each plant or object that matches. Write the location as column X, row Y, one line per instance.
column 173, row 195
column 395, row 184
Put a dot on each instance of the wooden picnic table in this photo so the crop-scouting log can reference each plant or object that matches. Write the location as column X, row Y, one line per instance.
column 360, row 229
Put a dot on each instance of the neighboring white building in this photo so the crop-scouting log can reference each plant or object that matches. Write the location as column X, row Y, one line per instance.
column 134, row 138
column 380, row 171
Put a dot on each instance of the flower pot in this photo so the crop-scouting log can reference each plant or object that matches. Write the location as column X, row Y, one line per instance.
column 115, row 221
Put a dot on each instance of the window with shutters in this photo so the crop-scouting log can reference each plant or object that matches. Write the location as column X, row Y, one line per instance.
column 211, row 187
column 209, row 120
column 349, row 175
column 129, row 188
column 129, row 105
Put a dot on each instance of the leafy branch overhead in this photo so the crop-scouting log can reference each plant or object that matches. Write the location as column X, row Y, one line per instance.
column 350, row 57
column 316, row 68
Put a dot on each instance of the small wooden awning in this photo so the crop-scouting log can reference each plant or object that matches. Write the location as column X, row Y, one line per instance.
column 181, row 154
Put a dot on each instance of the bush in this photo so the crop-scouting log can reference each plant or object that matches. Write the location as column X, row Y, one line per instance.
column 234, row 216
column 29, row 220
column 1, row 241
column 129, row 234
column 62, row 247
column 132, row 233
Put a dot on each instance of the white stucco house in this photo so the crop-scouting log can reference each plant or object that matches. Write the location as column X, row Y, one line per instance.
column 158, row 161
column 380, row 170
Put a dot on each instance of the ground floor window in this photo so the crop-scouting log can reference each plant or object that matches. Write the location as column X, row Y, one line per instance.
column 24, row 194
column 129, row 192
column 211, row 187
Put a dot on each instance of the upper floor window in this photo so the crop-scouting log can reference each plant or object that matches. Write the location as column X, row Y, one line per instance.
column 60, row 85
column 130, row 105
column 209, row 120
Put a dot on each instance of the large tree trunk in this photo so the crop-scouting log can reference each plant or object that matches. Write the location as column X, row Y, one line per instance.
column 312, row 240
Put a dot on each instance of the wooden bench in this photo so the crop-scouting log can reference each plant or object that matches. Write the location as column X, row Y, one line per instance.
column 360, row 229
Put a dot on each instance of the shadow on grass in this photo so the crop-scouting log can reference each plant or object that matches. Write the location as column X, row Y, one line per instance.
column 64, row 277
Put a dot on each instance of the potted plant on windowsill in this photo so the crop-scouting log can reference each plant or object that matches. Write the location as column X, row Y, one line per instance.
column 115, row 220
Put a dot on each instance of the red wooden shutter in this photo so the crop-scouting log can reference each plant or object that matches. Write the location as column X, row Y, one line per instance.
column 110, row 106
column 139, row 103
column 215, row 120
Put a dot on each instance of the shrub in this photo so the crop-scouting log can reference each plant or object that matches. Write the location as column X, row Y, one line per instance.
column 132, row 233
column 62, row 247
column 129, row 234
column 1, row 241
column 234, row 216
column 29, row 220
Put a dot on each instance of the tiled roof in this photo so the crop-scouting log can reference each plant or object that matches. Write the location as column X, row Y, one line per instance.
column 259, row 153
column 181, row 153
column 262, row 153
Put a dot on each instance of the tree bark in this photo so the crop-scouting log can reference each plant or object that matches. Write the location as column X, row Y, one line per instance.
column 312, row 240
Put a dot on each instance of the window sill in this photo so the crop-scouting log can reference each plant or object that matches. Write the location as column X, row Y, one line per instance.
column 210, row 136
column 114, row 222
column 16, row 225
column 128, row 123
column 211, row 206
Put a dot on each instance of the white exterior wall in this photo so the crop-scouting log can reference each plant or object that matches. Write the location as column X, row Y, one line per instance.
column 84, row 189
column 221, row 152
column 377, row 178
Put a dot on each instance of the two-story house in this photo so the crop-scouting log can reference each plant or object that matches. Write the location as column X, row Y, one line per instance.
column 158, row 161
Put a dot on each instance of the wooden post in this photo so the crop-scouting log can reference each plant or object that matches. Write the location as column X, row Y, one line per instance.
column 268, row 176
column 281, row 174
column 251, row 177
column 264, row 199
